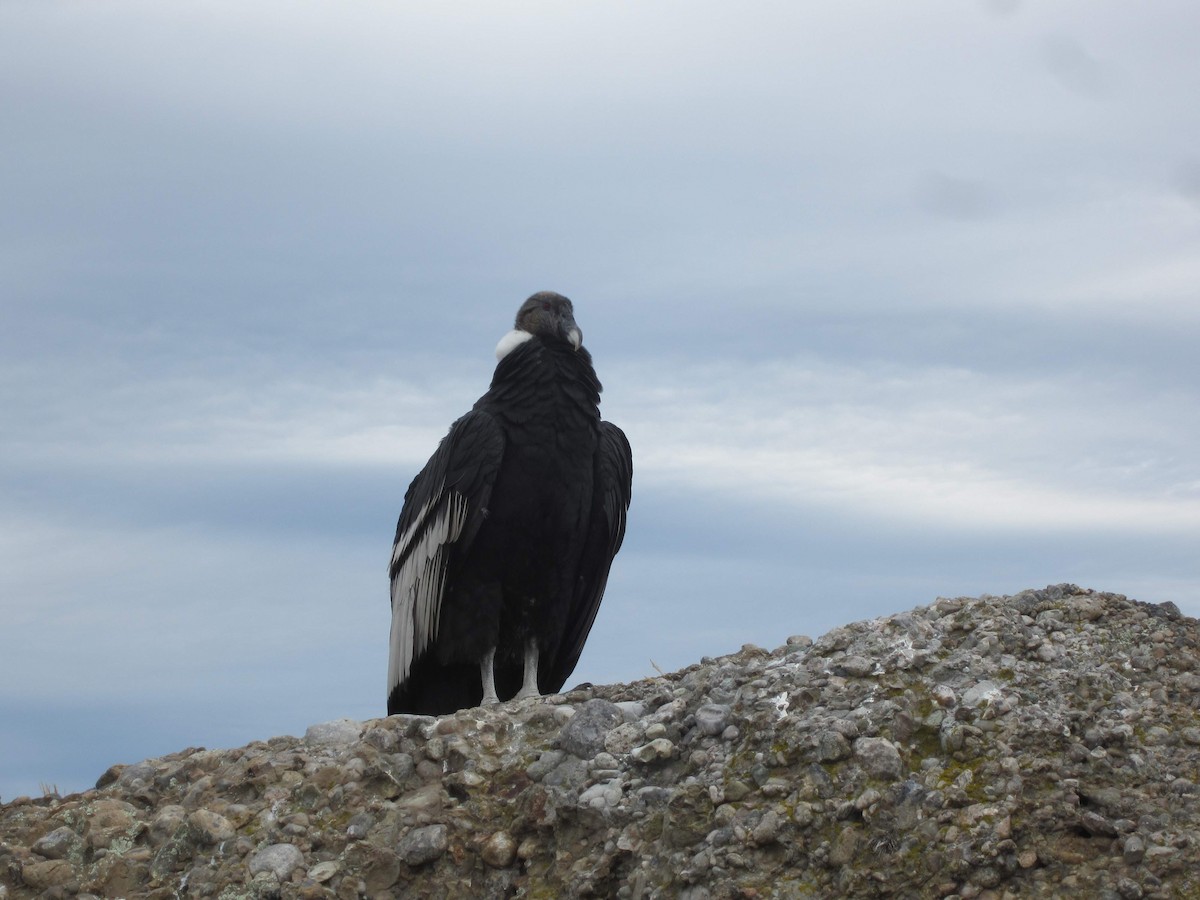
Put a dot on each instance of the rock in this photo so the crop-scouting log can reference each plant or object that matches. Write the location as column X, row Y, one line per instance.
column 602, row 796
column 1095, row 824
column 168, row 821
column 569, row 774
column 546, row 763
column 982, row 693
column 210, row 827
column 657, row 749
column 584, row 733
column 137, row 778
column 339, row 732
column 879, row 758
column 632, row 710
column 279, row 860
column 378, row 867
column 845, row 846
column 942, row 751
column 655, row 731
column 114, row 821
column 323, row 872
column 57, row 844
column 500, row 850
column 832, row 746
column 359, row 826
column 1134, row 850
column 398, row 767
column 767, row 829
column 622, row 739
column 855, row 666
column 423, row 845
column 381, row 739
column 46, row 874
column 737, row 790
column 945, row 696
column 712, row 718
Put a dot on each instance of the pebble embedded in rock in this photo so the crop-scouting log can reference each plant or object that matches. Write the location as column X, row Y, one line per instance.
column 382, row 739
column 855, row 666
column 602, row 796
column 832, row 746
column 166, row 822
column 712, row 718
column 500, row 850
column 359, row 826
column 1134, row 850
column 278, row 859
column 423, row 845
column 113, row 821
column 660, row 748
column 335, row 733
column 767, row 830
column 632, row 710
column 210, row 827
column 323, row 872
column 545, row 764
column 944, row 696
column 57, row 844
column 623, row 739
column 879, row 758
column 584, row 733
column 47, row 874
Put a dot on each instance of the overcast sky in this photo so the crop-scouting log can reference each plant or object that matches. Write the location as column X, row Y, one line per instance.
column 892, row 300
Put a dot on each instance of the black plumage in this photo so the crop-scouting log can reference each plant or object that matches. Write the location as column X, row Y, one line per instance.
column 505, row 540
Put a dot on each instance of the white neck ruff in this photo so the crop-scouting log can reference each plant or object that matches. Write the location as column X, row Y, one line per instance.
column 510, row 342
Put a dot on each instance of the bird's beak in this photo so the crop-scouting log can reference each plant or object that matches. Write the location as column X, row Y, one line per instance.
column 569, row 330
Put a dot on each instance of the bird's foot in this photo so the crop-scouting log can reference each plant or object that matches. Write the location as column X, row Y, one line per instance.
column 529, row 684
column 487, row 676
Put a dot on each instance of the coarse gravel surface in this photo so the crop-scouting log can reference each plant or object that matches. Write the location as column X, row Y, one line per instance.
column 1044, row 744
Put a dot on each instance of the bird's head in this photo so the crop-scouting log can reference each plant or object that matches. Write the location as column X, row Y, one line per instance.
column 549, row 315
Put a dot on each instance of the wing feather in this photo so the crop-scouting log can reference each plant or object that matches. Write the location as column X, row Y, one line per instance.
column 443, row 509
column 606, row 532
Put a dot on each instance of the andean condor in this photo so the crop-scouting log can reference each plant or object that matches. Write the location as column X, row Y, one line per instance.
column 506, row 536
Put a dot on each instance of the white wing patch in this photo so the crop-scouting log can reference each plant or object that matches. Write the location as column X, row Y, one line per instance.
column 511, row 342
column 418, row 585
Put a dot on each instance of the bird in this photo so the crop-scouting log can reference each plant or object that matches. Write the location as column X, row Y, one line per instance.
column 506, row 537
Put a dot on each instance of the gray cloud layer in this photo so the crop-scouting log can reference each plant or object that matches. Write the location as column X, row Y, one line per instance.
column 892, row 302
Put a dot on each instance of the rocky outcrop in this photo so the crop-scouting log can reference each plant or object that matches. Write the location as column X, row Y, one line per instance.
column 1028, row 746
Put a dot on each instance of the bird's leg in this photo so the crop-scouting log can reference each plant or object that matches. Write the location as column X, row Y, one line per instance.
column 488, row 675
column 529, row 685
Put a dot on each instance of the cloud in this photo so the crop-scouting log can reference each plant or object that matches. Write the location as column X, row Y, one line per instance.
column 956, row 198
column 1076, row 69
column 930, row 444
column 902, row 439
column 1187, row 180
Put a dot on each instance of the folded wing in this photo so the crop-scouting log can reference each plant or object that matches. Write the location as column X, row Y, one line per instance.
column 443, row 509
column 606, row 530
